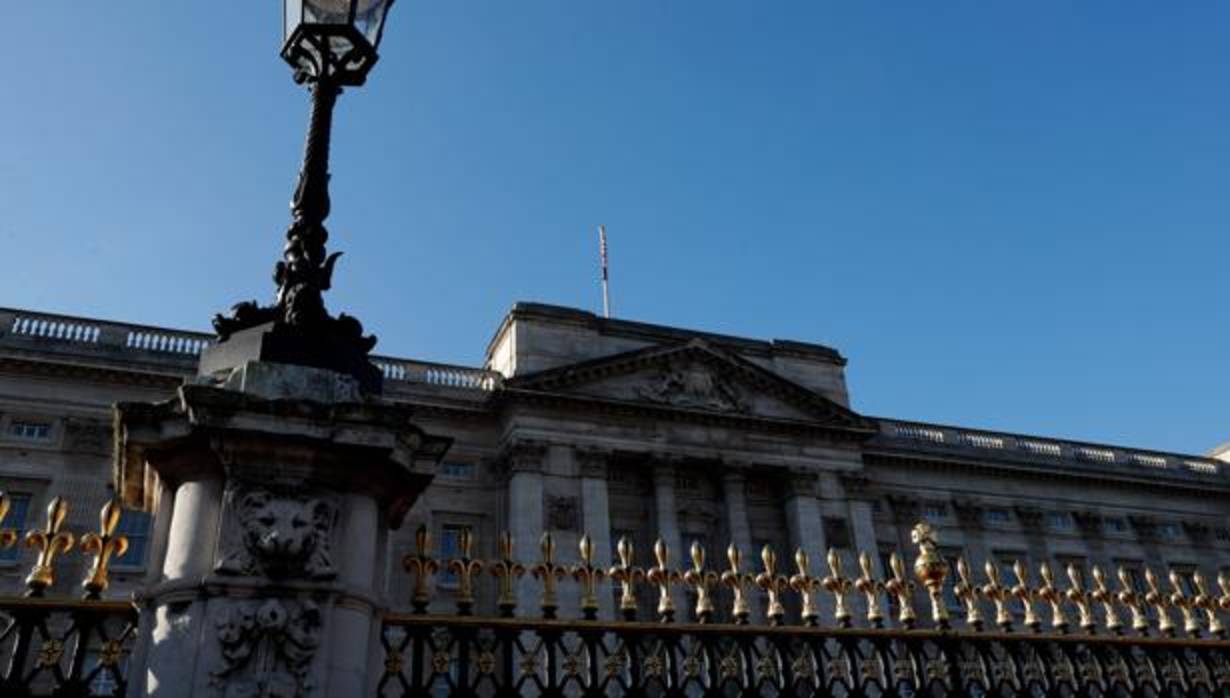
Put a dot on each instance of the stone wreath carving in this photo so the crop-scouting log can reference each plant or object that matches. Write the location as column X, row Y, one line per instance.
column 266, row 648
column 693, row 385
column 280, row 536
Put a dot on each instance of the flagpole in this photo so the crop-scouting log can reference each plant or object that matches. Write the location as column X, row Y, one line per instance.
column 606, row 292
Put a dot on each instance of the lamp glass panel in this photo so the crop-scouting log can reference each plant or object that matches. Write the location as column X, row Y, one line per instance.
column 292, row 16
column 327, row 11
column 369, row 18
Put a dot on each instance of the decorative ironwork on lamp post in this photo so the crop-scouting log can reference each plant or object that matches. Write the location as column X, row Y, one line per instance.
column 330, row 44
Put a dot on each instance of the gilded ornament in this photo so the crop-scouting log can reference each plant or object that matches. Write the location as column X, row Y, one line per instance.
column 702, row 581
column 549, row 573
column 422, row 566
column 999, row 594
column 1101, row 594
column 507, row 570
column 627, row 575
column 840, row 587
column 773, row 585
column 1207, row 603
column 1052, row 595
column 1160, row 603
column 738, row 582
column 588, row 576
column 50, row 542
column 1186, row 605
column 967, row 593
column 902, row 589
column 465, row 568
column 1134, row 602
column 870, row 588
column 806, row 586
column 931, row 569
column 8, row 537
column 1025, row 595
column 103, row 545
column 663, row 577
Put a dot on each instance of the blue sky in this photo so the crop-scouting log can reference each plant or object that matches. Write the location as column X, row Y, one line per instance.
column 1007, row 215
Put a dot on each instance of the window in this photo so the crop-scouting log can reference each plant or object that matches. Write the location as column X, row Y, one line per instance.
column 459, row 471
column 1059, row 520
column 135, row 525
column 450, row 548
column 19, row 509
column 1169, row 530
column 1115, row 524
column 997, row 516
column 935, row 511
column 30, row 430
column 836, row 532
column 686, row 483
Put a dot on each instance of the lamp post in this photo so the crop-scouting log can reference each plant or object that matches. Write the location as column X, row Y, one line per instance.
column 330, row 44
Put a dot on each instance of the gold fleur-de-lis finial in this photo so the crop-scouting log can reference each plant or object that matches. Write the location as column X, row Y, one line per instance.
column 806, row 586
column 588, row 576
column 702, row 581
column 738, row 582
column 967, row 593
column 50, row 542
column 1205, row 602
column 7, row 535
column 773, row 585
column 1082, row 599
column 1051, row 594
column 999, row 594
column 902, row 589
column 103, row 546
column 1185, row 604
column 840, row 587
column 1135, row 603
column 465, row 567
column 870, row 588
column 507, row 570
column 1223, row 583
column 627, row 575
column 422, row 566
column 931, row 569
column 1104, row 596
column 1025, row 595
column 1160, row 603
column 663, row 577
column 550, row 574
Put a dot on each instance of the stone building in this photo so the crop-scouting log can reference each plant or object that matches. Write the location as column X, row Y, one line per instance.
column 616, row 428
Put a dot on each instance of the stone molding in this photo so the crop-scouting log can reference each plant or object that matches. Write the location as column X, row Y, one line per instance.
column 856, row 486
column 802, row 483
column 524, row 456
column 592, row 462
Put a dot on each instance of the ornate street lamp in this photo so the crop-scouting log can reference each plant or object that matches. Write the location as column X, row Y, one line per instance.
column 329, row 44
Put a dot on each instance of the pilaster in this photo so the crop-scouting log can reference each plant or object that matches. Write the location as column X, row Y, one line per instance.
column 525, row 462
column 593, row 466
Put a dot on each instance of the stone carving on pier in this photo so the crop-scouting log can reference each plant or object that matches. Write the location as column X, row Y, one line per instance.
column 267, row 648
column 563, row 513
column 279, row 536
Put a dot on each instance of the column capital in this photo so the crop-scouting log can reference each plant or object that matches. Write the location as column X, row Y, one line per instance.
column 1088, row 521
column 968, row 511
column 855, row 485
column 1029, row 516
column 801, row 483
column 592, row 461
column 906, row 509
column 524, row 456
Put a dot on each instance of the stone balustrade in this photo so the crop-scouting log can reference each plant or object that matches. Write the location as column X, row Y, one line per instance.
column 924, row 436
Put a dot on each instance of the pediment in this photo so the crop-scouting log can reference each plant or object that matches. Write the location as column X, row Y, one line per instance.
column 693, row 377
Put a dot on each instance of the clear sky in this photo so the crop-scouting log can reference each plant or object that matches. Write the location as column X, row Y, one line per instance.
column 1010, row 215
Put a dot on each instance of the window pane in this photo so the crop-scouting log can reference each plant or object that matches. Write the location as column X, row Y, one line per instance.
column 135, row 525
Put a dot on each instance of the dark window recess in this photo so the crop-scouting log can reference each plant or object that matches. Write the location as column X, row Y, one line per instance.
column 19, row 509
column 836, row 532
column 30, row 430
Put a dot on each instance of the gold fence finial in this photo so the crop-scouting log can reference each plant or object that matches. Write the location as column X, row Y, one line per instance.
column 806, row 587
column 1025, row 595
column 627, row 575
column 508, row 571
column 870, row 587
column 1051, row 594
column 1082, row 599
column 7, row 535
column 999, row 594
column 50, row 542
column 103, row 545
column 702, row 581
column 1185, row 604
column 422, row 566
column 465, row 568
column 550, row 574
column 1223, row 583
column 588, row 576
column 1160, row 603
column 1129, row 597
column 738, row 582
column 931, row 569
column 967, row 593
column 902, row 589
column 773, row 584
column 1104, row 596
column 1207, row 603
column 839, row 586
column 663, row 577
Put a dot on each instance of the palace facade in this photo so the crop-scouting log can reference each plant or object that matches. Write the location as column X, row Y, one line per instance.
column 581, row 424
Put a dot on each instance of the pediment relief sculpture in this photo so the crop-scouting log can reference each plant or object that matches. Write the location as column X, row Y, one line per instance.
column 693, row 385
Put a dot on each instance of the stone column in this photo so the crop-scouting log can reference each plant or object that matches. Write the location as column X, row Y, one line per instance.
column 856, row 489
column 592, row 465
column 1090, row 524
column 806, row 527
column 525, row 516
column 734, row 482
column 276, row 489
column 667, row 512
column 969, row 516
column 1032, row 525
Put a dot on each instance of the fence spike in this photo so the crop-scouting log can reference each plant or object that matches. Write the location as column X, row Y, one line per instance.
column 839, row 586
column 738, row 582
column 507, row 570
column 902, row 589
column 465, row 568
column 422, row 567
column 1053, row 596
column 1025, row 595
column 999, row 594
column 1129, row 597
column 1104, row 596
column 50, row 542
column 588, row 576
column 1185, row 604
column 967, row 593
column 931, row 569
column 1160, row 603
column 806, row 586
column 8, row 536
column 627, row 575
column 870, row 587
column 103, row 545
column 773, row 584
column 663, row 577
column 1207, row 603
column 550, row 574
column 702, row 581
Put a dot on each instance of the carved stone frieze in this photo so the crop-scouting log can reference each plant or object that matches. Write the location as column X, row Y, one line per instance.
column 692, row 384
column 563, row 513
column 266, row 648
column 278, row 535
